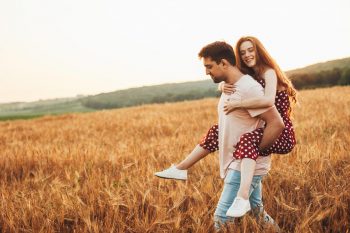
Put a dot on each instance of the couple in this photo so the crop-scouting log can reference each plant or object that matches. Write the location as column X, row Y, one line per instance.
column 254, row 122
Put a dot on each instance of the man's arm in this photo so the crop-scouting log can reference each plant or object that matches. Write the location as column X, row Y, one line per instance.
column 274, row 127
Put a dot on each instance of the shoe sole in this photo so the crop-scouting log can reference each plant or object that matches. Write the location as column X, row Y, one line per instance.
column 237, row 216
column 168, row 178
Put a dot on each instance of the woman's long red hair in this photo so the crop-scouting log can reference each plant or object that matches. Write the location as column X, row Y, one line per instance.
column 264, row 61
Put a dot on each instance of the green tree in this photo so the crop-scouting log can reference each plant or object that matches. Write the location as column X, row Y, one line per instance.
column 345, row 77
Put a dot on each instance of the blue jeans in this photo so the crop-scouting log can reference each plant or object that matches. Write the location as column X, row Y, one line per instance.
column 229, row 193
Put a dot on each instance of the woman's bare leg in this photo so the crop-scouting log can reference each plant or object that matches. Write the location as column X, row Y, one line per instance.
column 197, row 154
column 241, row 204
column 247, row 173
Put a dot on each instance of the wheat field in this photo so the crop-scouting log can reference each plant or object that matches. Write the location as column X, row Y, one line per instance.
column 93, row 172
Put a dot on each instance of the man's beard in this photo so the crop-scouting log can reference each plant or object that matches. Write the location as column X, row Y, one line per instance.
column 217, row 79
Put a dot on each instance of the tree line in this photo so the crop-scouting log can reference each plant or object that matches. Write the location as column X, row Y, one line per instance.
column 324, row 78
column 202, row 89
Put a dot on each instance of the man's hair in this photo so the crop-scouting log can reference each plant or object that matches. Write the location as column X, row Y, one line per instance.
column 217, row 51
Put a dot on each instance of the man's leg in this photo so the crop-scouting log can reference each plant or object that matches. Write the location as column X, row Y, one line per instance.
column 258, row 207
column 255, row 198
column 229, row 192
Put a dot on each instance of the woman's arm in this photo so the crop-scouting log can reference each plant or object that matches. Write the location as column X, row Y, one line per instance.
column 227, row 88
column 267, row 100
column 220, row 86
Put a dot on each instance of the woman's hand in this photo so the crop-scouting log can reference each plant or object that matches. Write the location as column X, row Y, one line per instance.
column 227, row 88
column 231, row 105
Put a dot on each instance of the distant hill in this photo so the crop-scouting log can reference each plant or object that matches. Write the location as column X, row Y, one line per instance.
column 152, row 94
column 325, row 74
column 330, row 73
column 117, row 99
column 322, row 66
column 317, row 75
column 23, row 110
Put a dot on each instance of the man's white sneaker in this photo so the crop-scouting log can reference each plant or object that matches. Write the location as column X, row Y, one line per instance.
column 172, row 173
column 238, row 208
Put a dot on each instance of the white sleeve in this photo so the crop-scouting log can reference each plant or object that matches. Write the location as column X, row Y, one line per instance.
column 255, row 92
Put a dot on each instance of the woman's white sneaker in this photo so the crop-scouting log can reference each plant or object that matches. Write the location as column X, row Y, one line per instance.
column 172, row 173
column 239, row 207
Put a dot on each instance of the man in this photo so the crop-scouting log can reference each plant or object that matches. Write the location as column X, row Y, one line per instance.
column 220, row 63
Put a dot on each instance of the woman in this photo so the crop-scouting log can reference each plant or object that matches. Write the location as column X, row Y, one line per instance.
column 256, row 61
column 252, row 59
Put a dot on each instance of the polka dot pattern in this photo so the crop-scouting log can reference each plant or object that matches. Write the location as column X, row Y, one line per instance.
column 210, row 141
column 248, row 145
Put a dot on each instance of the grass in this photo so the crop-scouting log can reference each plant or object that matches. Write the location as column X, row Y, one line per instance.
column 93, row 172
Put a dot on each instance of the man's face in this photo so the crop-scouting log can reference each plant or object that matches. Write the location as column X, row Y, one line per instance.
column 213, row 69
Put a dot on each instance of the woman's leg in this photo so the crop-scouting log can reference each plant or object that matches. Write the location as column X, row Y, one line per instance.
column 229, row 193
column 208, row 144
column 247, row 151
column 197, row 154
column 247, row 173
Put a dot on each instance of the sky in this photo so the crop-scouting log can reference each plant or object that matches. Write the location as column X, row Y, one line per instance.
column 53, row 49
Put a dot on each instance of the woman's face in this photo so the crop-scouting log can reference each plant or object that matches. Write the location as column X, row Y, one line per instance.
column 247, row 53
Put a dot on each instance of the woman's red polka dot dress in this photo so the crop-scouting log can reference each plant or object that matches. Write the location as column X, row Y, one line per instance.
column 210, row 141
column 248, row 146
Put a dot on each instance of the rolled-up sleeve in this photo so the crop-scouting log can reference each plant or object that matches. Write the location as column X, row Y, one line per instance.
column 255, row 92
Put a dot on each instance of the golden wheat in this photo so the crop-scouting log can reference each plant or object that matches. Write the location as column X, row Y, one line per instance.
column 93, row 172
